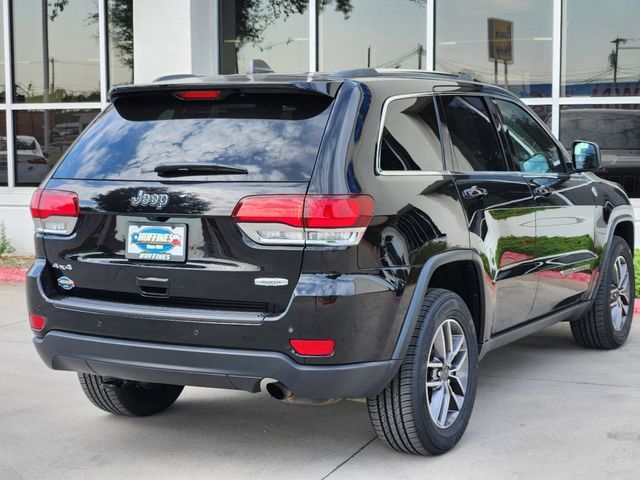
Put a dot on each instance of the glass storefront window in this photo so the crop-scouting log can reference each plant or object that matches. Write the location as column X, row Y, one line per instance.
column 120, row 40
column 2, row 85
column 3, row 149
column 519, row 55
column 600, row 48
column 544, row 112
column 615, row 129
column 56, row 53
column 372, row 33
column 42, row 136
column 276, row 32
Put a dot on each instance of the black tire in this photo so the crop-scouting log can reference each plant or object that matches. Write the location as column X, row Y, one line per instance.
column 596, row 328
column 125, row 397
column 399, row 414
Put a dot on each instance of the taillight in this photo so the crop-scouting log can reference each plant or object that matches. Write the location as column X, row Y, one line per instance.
column 335, row 220
column 37, row 161
column 55, row 211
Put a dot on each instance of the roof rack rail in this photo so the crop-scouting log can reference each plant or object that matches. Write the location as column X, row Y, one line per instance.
column 381, row 72
column 391, row 71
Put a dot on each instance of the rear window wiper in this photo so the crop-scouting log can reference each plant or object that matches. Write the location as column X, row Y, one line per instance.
column 186, row 170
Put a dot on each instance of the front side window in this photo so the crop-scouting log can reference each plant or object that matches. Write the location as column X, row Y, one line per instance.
column 410, row 136
column 533, row 149
column 473, row 135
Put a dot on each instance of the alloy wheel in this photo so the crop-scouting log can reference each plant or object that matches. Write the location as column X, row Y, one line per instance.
column 447, row 373
column 619, row 293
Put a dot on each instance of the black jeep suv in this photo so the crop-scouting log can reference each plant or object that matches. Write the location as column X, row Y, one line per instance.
column 361, row 234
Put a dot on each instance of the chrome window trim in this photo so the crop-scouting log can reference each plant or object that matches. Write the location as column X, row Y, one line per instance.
column 404, row 173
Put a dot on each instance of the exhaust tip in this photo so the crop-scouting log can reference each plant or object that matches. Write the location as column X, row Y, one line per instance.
column 278, row 391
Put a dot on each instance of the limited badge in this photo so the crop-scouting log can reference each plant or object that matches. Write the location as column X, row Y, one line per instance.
column 66, row 283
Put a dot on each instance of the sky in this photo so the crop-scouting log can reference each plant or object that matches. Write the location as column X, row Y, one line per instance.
column 396, row 27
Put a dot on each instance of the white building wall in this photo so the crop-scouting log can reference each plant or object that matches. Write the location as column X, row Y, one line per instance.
column 172, row 37
column 15, row 215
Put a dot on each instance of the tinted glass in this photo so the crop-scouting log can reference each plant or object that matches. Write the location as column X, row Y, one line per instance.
column 534, row 151
column 615, row 129
column 276, row 32
column 410, row 136
column 120, row 39
column 274, row 137
column 601, row 48
column 372, row 33
column 41, row 139
column 64, row 65
column 508, row 43
column 2, row 86
column 473, row 134
column 3, row 149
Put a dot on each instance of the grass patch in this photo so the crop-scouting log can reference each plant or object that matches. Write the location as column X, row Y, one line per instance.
column 11, row 261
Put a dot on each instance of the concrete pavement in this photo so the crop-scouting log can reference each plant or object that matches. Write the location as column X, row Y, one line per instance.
column 545, row 409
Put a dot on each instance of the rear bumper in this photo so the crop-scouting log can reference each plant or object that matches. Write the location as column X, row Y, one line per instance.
column 360, row 312
column 209, row 367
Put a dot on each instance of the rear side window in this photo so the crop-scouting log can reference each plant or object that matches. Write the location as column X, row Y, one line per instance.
column 410, row 136
column 473, row 135
column 273, row 136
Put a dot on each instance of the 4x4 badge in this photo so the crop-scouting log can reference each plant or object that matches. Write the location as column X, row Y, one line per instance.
column 158, row 200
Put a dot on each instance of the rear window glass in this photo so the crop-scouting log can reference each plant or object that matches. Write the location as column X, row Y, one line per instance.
column 273, row 136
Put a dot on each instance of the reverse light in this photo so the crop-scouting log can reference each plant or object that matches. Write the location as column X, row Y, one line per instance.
column 55, row 211
column 199, row 94
column 330, row 220
column 313, row 348
column 36, row 321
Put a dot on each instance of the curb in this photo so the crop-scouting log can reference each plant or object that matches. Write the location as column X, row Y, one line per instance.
column 12, row 275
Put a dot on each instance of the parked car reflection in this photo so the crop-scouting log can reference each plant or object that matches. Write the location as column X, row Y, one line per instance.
column 615, row 130
column 32, row 164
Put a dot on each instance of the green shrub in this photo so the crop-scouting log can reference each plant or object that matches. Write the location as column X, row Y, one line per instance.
column 5, row 243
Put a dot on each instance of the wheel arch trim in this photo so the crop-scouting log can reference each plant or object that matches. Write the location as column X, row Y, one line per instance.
column 422, row 284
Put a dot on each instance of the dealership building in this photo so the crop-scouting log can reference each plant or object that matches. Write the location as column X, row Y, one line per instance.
column 575, row 62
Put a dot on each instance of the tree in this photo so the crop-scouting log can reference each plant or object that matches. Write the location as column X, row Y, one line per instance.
column 253, row 17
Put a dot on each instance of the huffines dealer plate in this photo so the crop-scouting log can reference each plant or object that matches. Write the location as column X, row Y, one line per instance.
column 157, row 242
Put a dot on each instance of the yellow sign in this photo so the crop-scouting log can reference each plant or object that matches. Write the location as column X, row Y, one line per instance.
column 501, row 40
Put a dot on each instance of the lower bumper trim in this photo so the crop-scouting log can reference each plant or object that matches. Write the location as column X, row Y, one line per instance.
column 210, row 367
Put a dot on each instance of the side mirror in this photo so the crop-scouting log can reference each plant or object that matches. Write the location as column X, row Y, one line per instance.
column 585, row 155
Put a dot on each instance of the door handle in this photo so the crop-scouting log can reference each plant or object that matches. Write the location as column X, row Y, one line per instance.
column 474, row 192
column 542, row 191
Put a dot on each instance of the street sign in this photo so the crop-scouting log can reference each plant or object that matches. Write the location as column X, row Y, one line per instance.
column 500, row 40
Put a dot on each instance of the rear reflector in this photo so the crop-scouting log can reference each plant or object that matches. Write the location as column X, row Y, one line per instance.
column 36, row 321
column 55, row 211
column 199, row 94
column 336, row 220
column 317, row 348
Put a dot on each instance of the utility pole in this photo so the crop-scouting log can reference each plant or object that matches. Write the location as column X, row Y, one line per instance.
column 420, row 51
column 369, row 57
column 614, row 58
column 53, row 76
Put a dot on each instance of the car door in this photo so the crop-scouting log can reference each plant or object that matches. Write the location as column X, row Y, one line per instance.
column 498, row 203
column 565, row 210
